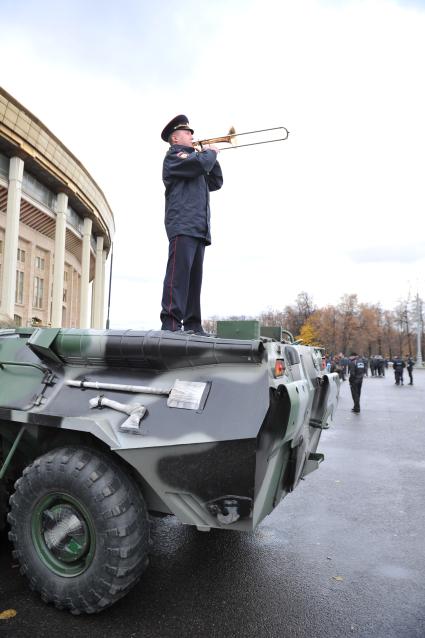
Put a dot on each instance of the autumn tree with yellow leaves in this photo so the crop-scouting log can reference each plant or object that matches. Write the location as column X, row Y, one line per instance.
column 349, row 326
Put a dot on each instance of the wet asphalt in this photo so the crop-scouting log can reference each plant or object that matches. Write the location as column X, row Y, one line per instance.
column 343, row 555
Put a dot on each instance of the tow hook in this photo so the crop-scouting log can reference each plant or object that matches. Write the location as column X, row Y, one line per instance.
column 229, row 509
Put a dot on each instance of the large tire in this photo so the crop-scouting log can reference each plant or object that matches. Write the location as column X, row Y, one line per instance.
column 80, row 529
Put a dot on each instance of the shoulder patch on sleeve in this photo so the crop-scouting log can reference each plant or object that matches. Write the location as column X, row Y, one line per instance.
column 182, row 155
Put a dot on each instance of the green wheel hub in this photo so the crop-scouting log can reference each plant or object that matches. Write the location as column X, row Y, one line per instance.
column 63, row 534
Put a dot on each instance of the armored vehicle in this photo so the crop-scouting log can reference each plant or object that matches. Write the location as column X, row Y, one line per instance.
column 99, row 430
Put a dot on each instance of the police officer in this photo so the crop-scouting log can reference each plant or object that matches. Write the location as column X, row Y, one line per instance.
column 381, row 365
column 357, row 369
column 409, row 366
column 398, row 367
column 188, row 176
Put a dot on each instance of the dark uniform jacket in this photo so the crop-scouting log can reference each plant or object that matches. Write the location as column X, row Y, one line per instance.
column 398, row 364
column 410, row 364
column 357, row 368
column 189, row 177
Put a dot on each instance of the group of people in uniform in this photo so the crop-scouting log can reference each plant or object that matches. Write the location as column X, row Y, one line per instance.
column 357, row 367
column 399, row 364
column 377, row 365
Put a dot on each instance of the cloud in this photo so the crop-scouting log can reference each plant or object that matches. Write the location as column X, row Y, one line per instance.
column 416, row 4
column 390, row 254
column 332, row 209
column 135, row 41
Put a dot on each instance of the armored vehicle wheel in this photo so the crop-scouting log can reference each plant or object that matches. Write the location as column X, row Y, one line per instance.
column 80, row 529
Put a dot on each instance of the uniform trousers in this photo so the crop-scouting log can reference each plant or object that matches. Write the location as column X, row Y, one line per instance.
column 398, row 374
column 356, row 390
column 181, row 297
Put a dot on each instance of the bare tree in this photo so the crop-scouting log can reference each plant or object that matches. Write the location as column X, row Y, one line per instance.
column 348, row 311
column 305, row 306
column 403, row 326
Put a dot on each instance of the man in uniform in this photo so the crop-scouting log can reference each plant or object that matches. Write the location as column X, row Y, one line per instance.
column 188, row 176
column 409, row 366
column 357, row 369
column 398, row 367
column 381, row 365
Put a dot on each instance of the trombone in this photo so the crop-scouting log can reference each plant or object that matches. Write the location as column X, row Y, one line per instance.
column 232, row 138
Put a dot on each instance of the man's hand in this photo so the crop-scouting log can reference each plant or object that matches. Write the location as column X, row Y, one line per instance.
column 210, row 147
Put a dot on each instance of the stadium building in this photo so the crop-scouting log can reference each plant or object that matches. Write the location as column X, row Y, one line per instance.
column 56, row 228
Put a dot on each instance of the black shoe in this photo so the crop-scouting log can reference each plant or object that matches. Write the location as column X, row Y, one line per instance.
column 355, row 411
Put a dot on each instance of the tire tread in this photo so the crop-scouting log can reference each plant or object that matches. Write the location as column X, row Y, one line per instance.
column 119, row 515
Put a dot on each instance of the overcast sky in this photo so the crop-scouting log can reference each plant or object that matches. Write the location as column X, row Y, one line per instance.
column 337, row 208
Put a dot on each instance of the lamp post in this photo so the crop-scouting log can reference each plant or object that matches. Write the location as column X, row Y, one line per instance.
column 419, row 332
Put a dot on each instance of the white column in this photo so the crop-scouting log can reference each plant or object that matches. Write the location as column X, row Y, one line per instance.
column 85, row 274
column 419, row 362
column 59, row 264
column 102, row 311
column 98, row 287
column 16, row 171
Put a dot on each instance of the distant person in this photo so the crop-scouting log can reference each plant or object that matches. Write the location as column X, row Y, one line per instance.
column 409, row 367
column 381, row 365
column 338, row 367
column 366, row 365
column 189, row 176
column 357, row 369
column 344, row 362
column 398, row 367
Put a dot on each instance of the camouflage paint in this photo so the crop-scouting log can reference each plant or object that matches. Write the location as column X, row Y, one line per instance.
column 225, row 465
